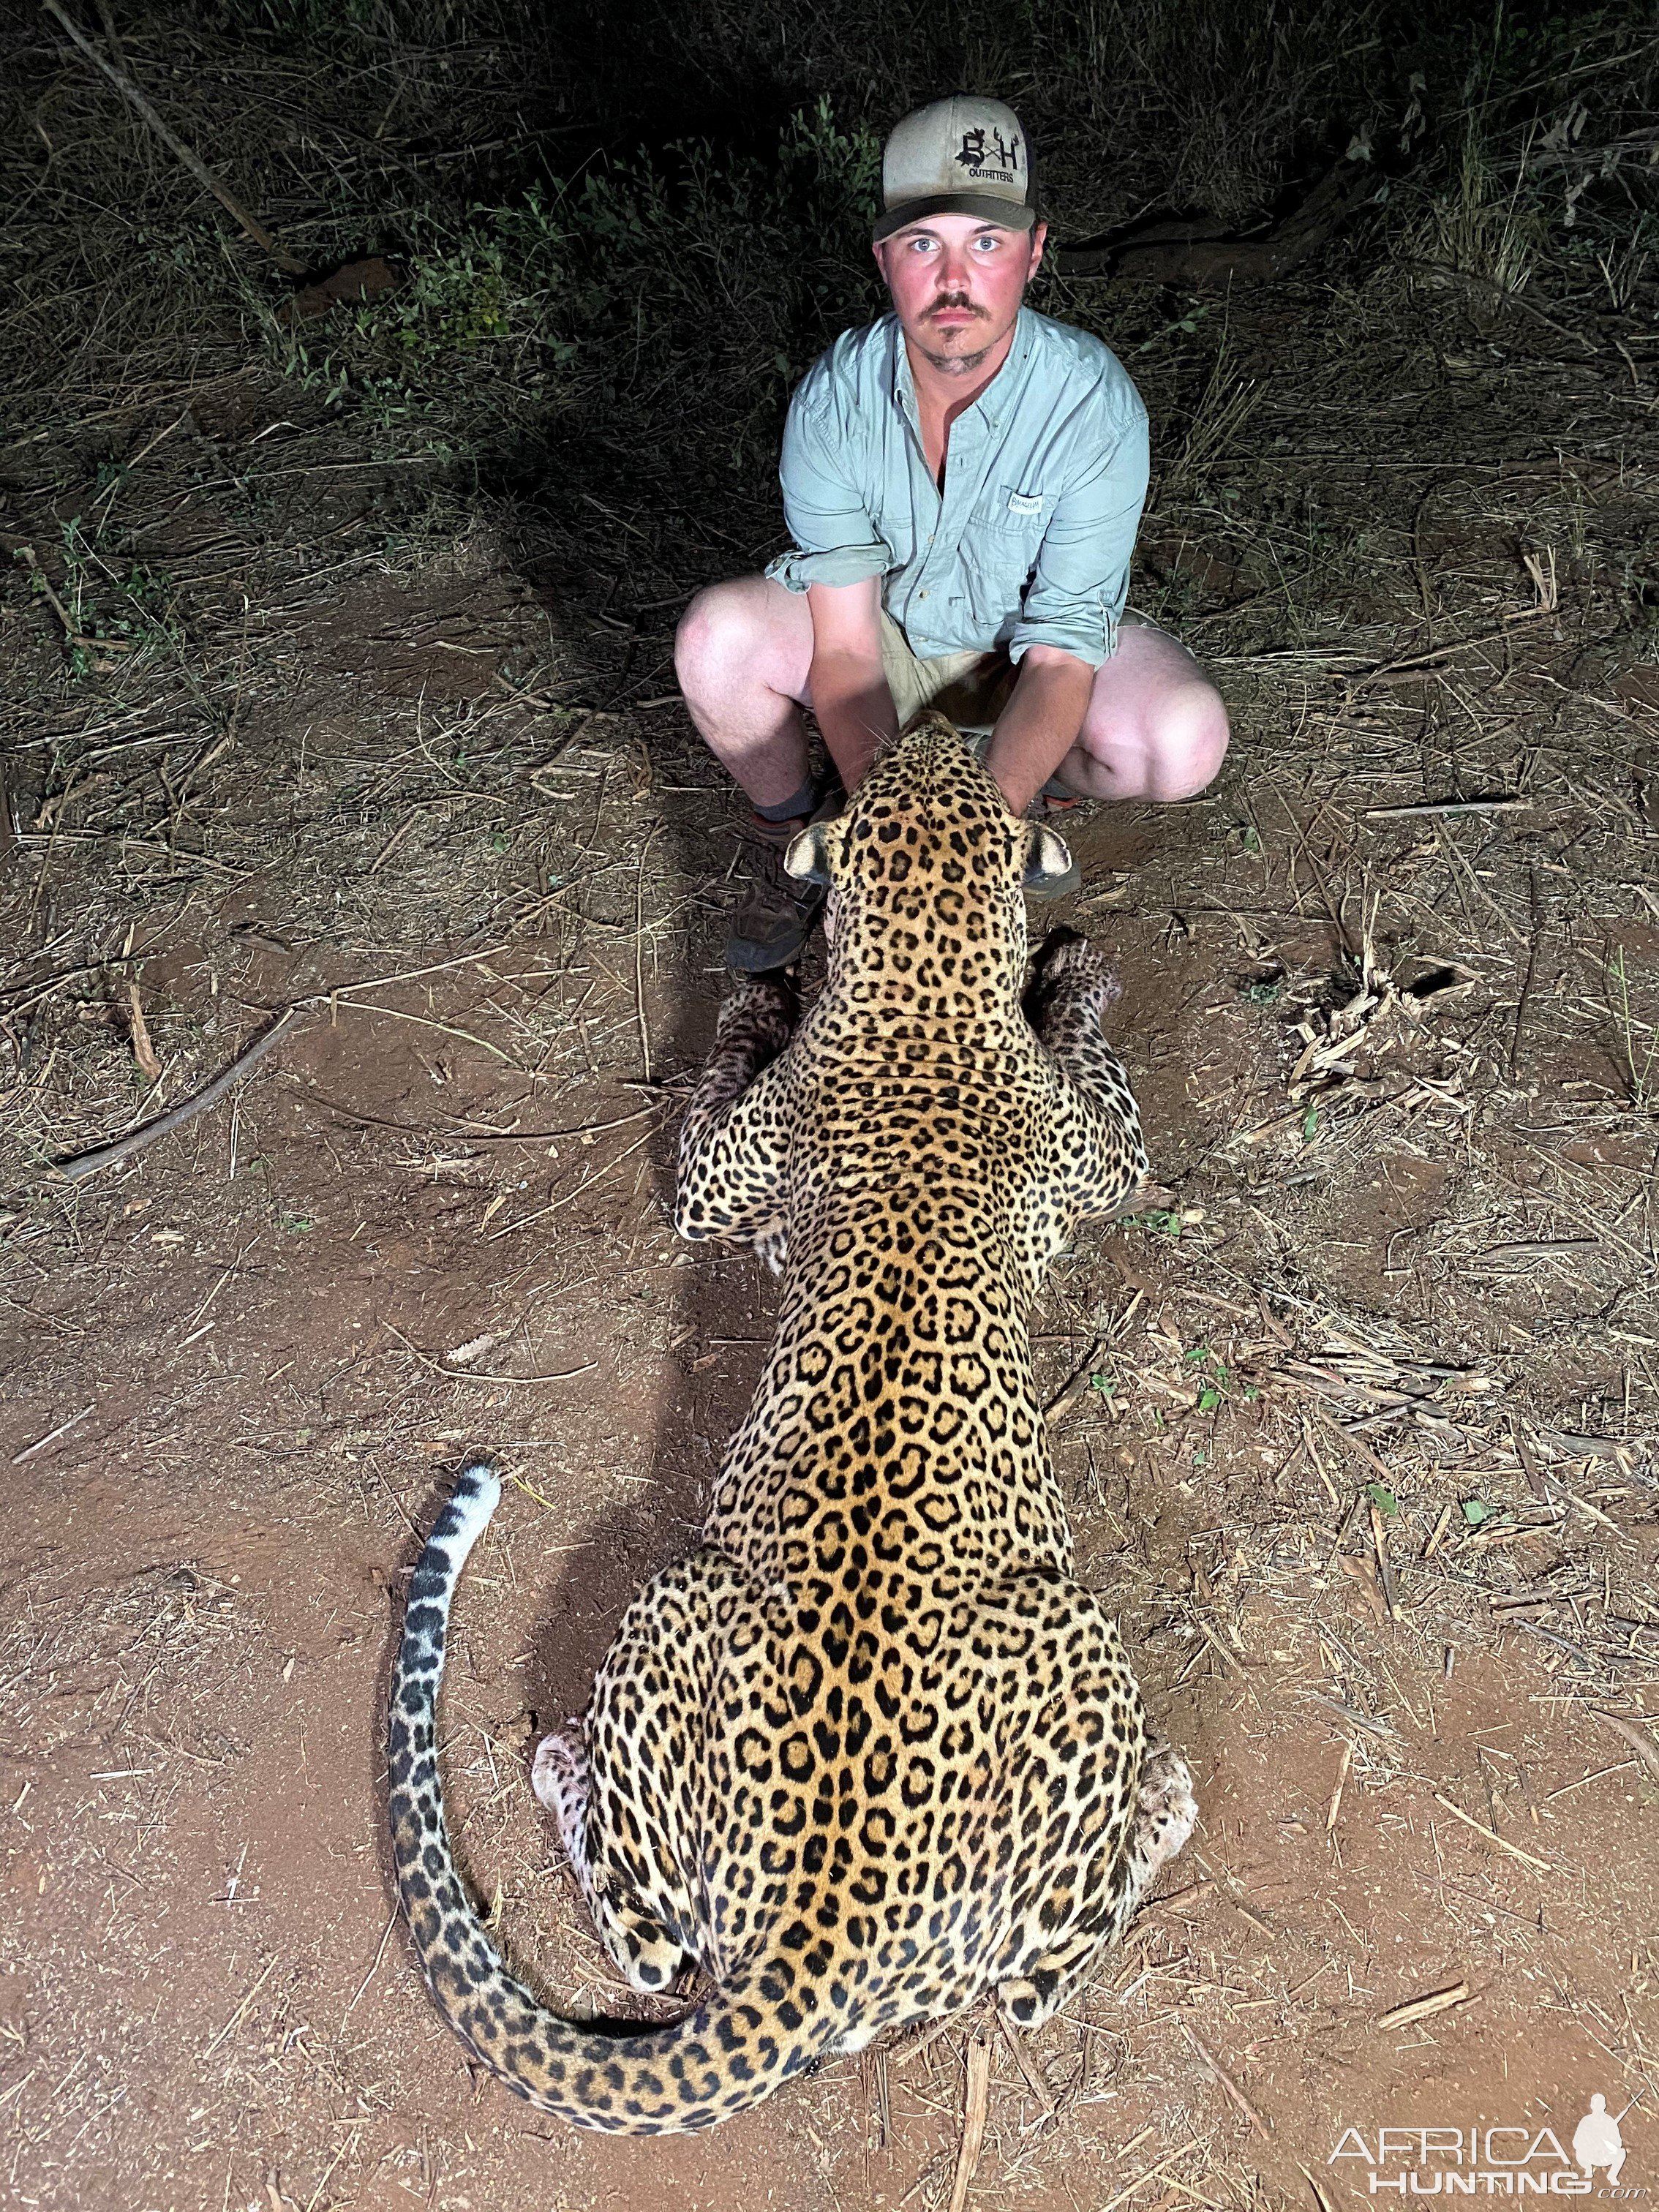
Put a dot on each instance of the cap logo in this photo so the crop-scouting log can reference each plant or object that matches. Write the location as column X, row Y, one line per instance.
column 1002, row 163
column 961, row 155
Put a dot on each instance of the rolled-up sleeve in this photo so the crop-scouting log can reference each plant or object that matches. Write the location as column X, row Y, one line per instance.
column 1075, row 597
column 836, row 542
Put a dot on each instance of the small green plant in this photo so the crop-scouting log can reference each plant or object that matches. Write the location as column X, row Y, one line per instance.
column 1184, row 326
column 1266, row 993
column 111, row 606
column 1636, row 1077
column 473, row 339
column 1215, row 1380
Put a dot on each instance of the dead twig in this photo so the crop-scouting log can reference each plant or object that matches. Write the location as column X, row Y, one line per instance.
column 138, row 1029
column 1535, row 900
column 375, row 1965
column 1402, row 2015
column 1385, row 1572
column 50, row 1437
column 1078, row 1386
column 1228, row 2083
column 1412, row 661
column 241, row 2013
column 26, row 553
column 198, row 168
column 1450, row 806
column 478, row 1375
column 975, row 2103
column 1539, row 1866
column 1638, row 1739
column 1034, row 2081
column 1198, row 252
column 80, row 1166
column 1155, row 2173
column 1320, row 2197
column 1081, row 1380
column 639, row 938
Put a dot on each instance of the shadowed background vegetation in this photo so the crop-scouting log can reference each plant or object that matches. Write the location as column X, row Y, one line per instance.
column 629, row 229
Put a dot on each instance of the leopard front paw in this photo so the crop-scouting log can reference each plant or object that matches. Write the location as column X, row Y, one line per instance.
column 763, row 1009
column 558, row 1774
column 1165, row 1809
column 1065, row 955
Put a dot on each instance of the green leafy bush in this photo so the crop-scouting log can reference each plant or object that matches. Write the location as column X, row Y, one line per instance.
column 587, row 306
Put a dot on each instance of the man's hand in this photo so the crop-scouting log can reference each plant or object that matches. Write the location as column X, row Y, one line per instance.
column 850, row 697
column 1040, row 724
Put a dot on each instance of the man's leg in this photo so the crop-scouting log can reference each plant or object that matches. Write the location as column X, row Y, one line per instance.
column 1155, row 727
column 742, row 655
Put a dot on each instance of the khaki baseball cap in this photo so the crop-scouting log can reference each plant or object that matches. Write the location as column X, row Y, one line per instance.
column 964, row 155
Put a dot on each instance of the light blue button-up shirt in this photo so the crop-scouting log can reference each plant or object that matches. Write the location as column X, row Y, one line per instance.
column 1044, row 481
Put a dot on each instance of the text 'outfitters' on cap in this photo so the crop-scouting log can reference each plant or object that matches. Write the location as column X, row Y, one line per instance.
column 964, row 155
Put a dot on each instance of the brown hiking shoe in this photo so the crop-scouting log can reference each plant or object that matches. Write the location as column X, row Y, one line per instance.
column 778, row 913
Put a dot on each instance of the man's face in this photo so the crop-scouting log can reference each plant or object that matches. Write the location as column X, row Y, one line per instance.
column 956, row 284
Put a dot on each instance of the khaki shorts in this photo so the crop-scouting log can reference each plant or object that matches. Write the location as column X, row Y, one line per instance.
column 969, row 689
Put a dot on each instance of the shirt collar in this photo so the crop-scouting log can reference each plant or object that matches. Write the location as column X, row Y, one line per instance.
column 999, row 395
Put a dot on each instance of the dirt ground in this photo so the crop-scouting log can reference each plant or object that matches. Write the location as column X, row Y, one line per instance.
column 1357, row 1430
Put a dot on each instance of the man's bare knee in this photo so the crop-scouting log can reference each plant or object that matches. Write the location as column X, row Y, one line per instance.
column 1185, row 741
column 722, row 625
column 742, row 661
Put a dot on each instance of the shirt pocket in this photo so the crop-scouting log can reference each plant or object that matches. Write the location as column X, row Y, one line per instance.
column 1008, row 522
column 998, row 552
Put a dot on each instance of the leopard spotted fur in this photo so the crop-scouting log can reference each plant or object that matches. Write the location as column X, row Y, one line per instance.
column 871, row 1750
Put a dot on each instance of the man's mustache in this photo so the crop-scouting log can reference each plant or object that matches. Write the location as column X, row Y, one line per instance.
column 957, row 305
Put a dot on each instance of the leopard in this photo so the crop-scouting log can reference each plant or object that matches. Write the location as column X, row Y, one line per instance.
column 872, row 1753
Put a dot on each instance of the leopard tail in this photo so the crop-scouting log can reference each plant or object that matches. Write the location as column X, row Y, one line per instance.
column 720, row 2059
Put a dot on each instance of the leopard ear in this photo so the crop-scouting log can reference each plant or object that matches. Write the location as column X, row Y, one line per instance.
column 1048, row 858
column 810, row 854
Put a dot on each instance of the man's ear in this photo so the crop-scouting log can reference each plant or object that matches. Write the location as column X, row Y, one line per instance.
column 810, row 854
column 1048, row 858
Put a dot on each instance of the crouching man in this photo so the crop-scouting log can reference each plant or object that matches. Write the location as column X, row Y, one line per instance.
column 963, row 480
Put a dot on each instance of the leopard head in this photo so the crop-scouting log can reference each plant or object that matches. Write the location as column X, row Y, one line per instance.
column 927, row 872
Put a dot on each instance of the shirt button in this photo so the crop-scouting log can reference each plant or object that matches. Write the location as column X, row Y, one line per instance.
column 922, row 595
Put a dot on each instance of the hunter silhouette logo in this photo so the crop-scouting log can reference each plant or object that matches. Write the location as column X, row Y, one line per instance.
column 1596, row 2141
